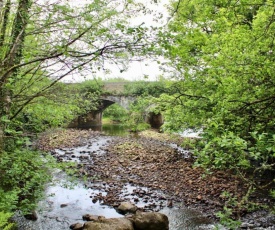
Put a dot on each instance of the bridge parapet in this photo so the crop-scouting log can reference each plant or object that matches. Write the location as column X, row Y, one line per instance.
column 115, row 87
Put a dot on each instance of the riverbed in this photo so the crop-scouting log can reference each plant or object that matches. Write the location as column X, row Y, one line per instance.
column 153, row 174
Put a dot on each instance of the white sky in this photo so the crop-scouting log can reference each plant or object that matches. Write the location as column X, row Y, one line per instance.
column 137, row 70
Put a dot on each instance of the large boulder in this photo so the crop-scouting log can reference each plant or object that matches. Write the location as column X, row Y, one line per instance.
column 31, row 216
column 150, row 221
column 109, row 224
column 76, row 226
column 126, row 207
column 90, row 217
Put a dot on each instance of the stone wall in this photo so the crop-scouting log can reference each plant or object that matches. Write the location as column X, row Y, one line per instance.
column 87, row 121
column 123, row 101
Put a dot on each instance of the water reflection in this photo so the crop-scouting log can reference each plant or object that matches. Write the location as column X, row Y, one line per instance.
column 187, row 219
column 64, row 206
column 112, row 129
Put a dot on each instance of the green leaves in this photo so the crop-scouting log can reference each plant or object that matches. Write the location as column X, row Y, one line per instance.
column 23, row 176
column 116, row 113
column 60, row 39
column 221, row 54
column 223, row 150
column 4, row 221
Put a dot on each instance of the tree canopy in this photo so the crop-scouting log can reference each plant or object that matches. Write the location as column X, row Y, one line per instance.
column 222, row 55
column 41, row 42
column 219, row 52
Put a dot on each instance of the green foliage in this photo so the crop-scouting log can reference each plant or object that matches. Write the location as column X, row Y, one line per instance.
column 224, row 151
column 226, row 220
column 40, row 44
column 117, row 79
column 68, row 41
column 57, row 107
column 115, row 113
column 23, row 176
column 141, row 126
column 226, row 215
column 136, row 122
column 222, row 54
column 137, row 114
column 86, row 95
column 189, row 143
column 88, row 86
column 145, row 88
column 4, row 221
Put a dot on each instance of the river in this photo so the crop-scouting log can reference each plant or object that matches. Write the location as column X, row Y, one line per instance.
column 67, row 202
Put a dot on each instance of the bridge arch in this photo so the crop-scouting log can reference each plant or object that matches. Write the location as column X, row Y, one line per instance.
column 123, row 101
column 94, row 117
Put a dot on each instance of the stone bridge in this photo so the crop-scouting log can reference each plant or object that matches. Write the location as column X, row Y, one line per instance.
column 94, row 118
column 123, row 101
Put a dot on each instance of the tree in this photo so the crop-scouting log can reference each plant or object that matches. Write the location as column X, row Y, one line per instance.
column 222, row 54
column 41, row 39
column 145, row 88
column 41, row 42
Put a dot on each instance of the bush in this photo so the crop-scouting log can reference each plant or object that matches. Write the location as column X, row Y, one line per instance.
column 146, row 88
column 116, row 113
column 4, row 221
column 23, row 174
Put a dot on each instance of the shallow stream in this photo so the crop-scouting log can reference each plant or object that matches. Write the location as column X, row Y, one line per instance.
column 66, row 203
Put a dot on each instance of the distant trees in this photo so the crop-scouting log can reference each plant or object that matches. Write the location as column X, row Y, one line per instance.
column 145, row 88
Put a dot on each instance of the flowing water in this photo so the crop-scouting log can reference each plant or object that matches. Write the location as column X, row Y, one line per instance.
column 66, row 203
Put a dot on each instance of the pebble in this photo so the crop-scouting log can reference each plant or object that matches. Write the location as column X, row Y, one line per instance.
column 155, row 165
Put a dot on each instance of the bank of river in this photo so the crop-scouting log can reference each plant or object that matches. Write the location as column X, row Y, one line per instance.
column 147, row 171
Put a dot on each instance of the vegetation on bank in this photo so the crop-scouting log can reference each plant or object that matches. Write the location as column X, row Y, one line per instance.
column 221, row 58
column 41, row 44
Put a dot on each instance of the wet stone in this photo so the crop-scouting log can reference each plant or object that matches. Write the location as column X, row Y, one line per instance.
column 247, row 225
column 31, row 216
column 76, row 226
column 63, row 205
column 126, row 207
column 153, row 165
column 89, row 217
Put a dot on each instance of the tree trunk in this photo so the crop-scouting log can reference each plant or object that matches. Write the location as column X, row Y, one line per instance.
column 11, row 47
column 1, row 140
column 4, row 21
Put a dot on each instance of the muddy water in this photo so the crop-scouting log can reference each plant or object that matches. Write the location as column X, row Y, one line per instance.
column 66, row 203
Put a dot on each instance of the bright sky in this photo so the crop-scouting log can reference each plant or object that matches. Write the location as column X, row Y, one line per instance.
column 137, row 70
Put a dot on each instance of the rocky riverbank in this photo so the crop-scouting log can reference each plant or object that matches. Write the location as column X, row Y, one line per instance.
column 151, row 161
